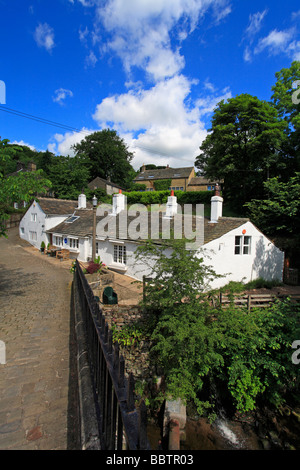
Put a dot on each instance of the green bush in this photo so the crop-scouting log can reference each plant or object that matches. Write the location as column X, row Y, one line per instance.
column 162, row 185
column 161, row 197
column 137, row 187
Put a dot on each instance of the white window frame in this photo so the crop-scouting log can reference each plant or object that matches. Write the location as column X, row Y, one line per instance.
column 74, row 243
column 33, row 217
column 242, row 244
column 32, row 236
column 58, row 240
column 120, row 254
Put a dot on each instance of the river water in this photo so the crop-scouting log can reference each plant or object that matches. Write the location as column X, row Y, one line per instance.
column 201, row 435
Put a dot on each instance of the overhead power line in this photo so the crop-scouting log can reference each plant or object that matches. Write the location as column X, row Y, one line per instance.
column 68, row 128
column 41, row 120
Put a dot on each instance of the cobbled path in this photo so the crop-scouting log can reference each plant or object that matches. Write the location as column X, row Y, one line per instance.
column 35, row 297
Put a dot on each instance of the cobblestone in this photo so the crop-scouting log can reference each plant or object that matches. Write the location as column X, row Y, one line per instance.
column 35, row 326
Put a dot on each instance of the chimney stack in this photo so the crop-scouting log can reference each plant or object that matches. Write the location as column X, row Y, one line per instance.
column 216, row 207
column 82, row 201
column 119, row 203
column 171, row 209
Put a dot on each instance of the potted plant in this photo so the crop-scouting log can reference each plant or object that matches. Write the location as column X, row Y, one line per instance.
column 43, row 247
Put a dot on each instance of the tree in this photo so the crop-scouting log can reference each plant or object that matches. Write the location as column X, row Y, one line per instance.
column 69, row 175
column 280, row 212
column 286, row 99
column 184, row 344
column 243, row 147
column 108, row 155
column 16, row 188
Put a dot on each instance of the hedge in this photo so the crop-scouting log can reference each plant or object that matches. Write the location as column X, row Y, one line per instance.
column 161, row 197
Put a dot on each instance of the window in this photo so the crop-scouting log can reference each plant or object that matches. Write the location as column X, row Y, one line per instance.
column 22, row 230
column 33, row 217
column 242, row 245
column 58, row 241
column 33, row 236
column 120, row 254
column 71, row 219
column 74, row 243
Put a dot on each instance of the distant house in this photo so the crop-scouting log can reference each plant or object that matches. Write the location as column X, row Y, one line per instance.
column 199, row 183
column 100, row 183
column 234, row 247
column 182, row 179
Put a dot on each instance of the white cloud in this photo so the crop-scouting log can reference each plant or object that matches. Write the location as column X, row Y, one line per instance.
column 21, row 142
column 91, row 60
column 255, row 23
column 160, row 130
column 61, row 94
column 44, row 36
column 141, row 30
column 280, row 42
column 295, row 15
column 63, row 143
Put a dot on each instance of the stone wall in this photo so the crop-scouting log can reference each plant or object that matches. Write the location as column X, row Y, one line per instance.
column 137, row 356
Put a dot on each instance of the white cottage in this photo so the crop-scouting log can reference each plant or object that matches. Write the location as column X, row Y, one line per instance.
column 234, row 247
column 43, row 214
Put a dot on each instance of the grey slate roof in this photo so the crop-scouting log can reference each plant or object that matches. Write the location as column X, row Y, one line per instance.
column 165, row 173
column 53, row 206
column 200, row 180
column 99, row 182
column 83, row 226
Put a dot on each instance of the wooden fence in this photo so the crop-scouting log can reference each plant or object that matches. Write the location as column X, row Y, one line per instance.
column 254, row 300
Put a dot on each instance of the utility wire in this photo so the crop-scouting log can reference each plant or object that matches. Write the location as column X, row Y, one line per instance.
column 66, row 127
column 41, row 120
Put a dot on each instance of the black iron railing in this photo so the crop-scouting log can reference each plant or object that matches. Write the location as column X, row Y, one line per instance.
column 121, row 424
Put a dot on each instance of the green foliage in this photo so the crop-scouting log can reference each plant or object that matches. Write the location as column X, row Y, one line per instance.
column 20, row 187
column 280, row 212
column 137, row 187
column 161, row 197
column 100, row 194
column 108, row 156
column 243, row 147
column 256, row 349
column 162, row 185
column 128, row 335
column 69, row 175
column 182, row 344
column 194, row 343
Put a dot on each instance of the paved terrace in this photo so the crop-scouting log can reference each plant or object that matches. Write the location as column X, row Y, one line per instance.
column 38, row 409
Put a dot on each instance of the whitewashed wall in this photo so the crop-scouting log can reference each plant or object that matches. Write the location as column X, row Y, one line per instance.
column 38, row 226
column 42, row 223
column 265, row 260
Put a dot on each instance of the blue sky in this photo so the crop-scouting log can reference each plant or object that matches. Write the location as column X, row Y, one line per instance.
column 151, row 69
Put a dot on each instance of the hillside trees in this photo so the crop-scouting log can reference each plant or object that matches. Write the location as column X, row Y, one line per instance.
column 108, row 155
column 243, row 147
column 286, row 99
column 17, row 187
